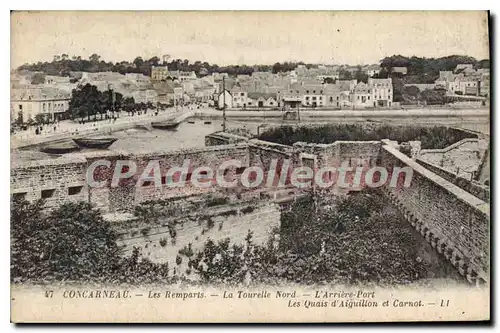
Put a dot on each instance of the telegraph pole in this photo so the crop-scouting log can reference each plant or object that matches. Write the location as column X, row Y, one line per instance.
column 224, row 104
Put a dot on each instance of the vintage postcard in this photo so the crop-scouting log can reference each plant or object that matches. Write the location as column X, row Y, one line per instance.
column 250, row 167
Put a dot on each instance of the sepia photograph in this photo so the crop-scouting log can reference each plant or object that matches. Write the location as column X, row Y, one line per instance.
column 249, row 166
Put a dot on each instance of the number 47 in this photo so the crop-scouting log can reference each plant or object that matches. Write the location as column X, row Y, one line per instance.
column 49, row 293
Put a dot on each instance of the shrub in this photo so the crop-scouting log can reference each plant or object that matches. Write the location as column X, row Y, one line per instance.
column 187, row 251
column 217, row 201
column 163, row 242
column 229, row 213
column 144, row 231
column 247, row 210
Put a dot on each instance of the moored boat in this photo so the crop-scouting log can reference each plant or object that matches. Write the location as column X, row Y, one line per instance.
column 165, row 124
column 101, row 143
column 60, row 148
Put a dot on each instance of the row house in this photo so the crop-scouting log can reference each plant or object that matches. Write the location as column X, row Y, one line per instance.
column 382, row 92
column 225, row 99
column 400, row 70
column 461, row 67
column 145, row 96
column 313, row 95
column 27, row 103
column 165, row 92
column 159, row 73
column 465, row 83
column 371, row 70
column 52, row 79
column 336, row 97
column 138, row 78
column 361, row 96
column 375, row 93
column 183, row 76
column 262, row 100
column 239, row 97
column 203, row 91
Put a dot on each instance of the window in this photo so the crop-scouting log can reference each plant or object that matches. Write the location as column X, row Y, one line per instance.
column 358, row 97
column 331, row 99
column 368, row 97
column 389, row 91
column 337, row 98
column 308, row 162
column 314, row 91
column 307, row 98
column 321, row 92
column 270, row 103
column 19, row 196
column 242, row 94
column 48, row 193
column 74, row 190
column 314, row 98
column 307, row 91
column 20, row 108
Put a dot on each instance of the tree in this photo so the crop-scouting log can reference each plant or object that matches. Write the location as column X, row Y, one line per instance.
column 85, row 101
column 328, row 80
column 433, row 96
column 345, row 75
column 138, row 62
column 72, row 242
column 94, row 58
column 38, row 78
column 128, row 104
column 154, row 61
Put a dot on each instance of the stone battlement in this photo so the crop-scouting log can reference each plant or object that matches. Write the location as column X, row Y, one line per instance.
column 455, row 222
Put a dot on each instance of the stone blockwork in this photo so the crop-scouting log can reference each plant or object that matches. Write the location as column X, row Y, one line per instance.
column 454, row 222
column 473, row 187
column 228, row 221
column 463, row 157
column 56, row 181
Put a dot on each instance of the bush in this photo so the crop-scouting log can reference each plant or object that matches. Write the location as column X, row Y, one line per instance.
column 431, row 137
column 217, row 201
column 247, row 210
column 229, row 213
column 144, row 231
column 163, row 242
column 187, row 251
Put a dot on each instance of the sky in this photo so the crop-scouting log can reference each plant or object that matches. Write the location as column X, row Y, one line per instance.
column 258, row 37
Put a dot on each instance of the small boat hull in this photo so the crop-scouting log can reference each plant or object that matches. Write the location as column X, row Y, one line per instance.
column 165, row 125
column 101, row 143
column 207, row 122
column 60, row 149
